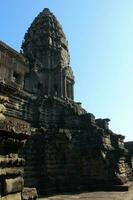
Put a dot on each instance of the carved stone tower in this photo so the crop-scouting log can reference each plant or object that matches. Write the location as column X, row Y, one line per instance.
column 68, row 148
column 46, row 48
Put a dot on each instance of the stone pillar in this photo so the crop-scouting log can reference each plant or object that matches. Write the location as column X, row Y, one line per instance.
column 65, row 87
column 49, row 59
column 61, row 84
column 69, row 90
column 72, row 92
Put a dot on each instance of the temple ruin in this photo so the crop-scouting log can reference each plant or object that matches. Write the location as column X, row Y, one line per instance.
column 67, row 149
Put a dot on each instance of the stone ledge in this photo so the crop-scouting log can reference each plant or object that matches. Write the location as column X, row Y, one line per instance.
column 125, row 187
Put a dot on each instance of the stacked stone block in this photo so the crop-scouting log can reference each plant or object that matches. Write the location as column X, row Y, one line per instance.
column 12, row 137
column 14, row 127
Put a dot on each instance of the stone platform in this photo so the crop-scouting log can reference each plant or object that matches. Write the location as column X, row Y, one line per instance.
column 93, row 196
column 124, row 192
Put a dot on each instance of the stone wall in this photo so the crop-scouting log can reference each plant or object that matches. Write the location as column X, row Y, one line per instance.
column 15, row 127
column 65, row 159
column 12, row 138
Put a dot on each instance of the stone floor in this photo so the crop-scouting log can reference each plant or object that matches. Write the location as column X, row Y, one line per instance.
column 93, row 196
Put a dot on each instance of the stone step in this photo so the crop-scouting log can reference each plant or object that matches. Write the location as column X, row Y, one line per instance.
column 126, row 187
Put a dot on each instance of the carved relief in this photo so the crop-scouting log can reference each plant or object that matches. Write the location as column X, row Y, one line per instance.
column 17, row 126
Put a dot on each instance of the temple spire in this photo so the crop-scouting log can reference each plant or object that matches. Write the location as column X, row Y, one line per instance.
column 46, row 10
column 46, row 48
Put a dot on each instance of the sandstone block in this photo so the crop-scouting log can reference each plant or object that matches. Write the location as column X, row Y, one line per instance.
column 16, row 196
column 13, row 185
column 2, row 117
column 2, row 108
column 29, row 193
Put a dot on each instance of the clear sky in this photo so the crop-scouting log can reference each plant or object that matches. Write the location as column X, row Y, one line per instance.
column 100, row 36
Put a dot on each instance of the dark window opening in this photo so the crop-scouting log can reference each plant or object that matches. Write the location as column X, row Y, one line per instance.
column 16, row 78
column 39, row 86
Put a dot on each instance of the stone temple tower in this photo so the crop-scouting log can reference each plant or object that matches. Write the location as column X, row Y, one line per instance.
column 68, row 148
column 45, row 46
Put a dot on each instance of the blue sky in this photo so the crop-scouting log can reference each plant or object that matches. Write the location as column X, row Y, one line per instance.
column 100, row 36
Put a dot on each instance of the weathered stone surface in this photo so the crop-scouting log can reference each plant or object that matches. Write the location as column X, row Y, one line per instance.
column 129, row 159
column 16, row 196
column 29, row 194
column 14, row 129
column 13, row 185
column 9, row 171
